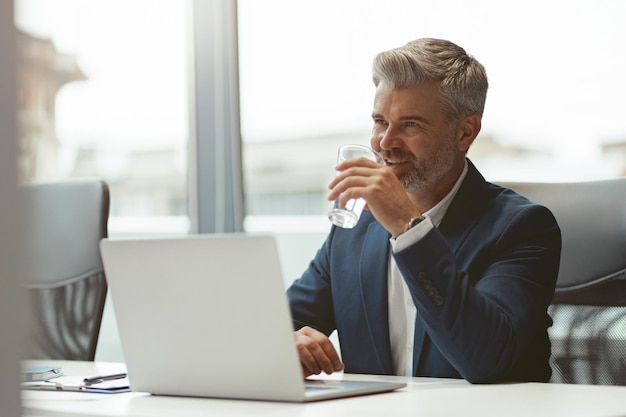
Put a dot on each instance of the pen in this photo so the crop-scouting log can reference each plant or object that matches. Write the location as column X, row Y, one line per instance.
column 98, row 379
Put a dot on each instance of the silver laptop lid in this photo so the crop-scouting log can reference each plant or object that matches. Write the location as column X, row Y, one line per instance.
column 204, row 315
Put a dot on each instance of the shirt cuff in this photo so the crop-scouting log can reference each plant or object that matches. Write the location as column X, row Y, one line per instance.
column 411, row 236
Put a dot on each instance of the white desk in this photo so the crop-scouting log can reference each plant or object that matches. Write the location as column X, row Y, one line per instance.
column 422, row 397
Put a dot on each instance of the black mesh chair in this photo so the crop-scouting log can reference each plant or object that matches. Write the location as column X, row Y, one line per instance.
column 589, row 306
column 65, row 287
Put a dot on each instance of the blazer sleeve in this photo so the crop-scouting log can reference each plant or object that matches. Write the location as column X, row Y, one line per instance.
column 310, row 296
column 483, row 302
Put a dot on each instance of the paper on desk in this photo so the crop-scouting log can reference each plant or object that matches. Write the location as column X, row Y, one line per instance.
column 40, row 373
column 76, row 384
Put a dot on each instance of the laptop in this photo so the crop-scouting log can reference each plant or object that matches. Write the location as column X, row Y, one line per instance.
column 207, row 316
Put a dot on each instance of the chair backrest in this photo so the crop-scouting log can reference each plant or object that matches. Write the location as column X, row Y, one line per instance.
column 64, row 279
column 589, row 306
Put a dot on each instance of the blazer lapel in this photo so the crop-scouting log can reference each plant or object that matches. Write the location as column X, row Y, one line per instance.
column 465, row 208
column 455, row 226
column 374, row 265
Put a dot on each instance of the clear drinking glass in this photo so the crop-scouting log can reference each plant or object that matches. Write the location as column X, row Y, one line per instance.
column 348, row 216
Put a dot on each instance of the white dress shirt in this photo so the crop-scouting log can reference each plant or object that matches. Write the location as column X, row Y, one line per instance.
column 402, row 312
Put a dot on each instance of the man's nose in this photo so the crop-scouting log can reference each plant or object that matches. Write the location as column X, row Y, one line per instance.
column 390, row 139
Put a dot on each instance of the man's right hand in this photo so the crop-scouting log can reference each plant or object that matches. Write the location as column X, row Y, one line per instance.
column 316, row 352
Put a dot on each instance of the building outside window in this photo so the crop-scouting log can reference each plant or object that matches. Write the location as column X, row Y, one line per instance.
column 103, row 93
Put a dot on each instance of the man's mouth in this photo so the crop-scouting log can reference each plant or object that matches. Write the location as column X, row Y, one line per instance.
column 394, row 162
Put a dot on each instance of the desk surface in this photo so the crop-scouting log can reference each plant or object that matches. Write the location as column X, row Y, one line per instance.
column 421, row 397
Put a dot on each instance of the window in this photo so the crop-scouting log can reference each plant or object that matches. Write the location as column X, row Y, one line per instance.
column 553, row 109
column 103, row 92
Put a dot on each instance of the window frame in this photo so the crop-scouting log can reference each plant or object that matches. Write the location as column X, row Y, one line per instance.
column 215, row 162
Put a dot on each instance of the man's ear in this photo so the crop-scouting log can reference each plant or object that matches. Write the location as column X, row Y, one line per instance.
column 467, row 130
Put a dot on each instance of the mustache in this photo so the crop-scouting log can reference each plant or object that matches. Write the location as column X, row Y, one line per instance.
column 396, row 154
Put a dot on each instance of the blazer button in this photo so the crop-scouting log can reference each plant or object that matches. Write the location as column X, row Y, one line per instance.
column 421, row 277
column 433, row 292
column 438, row 300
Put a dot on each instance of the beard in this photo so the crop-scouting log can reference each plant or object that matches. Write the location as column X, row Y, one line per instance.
column 425, row 173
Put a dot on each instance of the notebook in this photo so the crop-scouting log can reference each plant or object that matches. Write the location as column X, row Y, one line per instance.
column 207, row 316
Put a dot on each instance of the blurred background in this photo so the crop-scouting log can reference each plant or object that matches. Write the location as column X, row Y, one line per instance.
column 106, row 89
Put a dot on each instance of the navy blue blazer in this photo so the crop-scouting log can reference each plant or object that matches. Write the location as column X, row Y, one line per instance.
column 481, row 283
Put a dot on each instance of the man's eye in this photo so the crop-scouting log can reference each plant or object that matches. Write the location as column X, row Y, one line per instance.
column 380, row 122
column 411, row 124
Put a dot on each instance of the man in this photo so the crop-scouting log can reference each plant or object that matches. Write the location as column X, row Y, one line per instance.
column 446, row 275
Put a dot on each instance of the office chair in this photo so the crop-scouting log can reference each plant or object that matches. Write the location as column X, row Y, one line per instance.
column 65, row 287
column 589, row 305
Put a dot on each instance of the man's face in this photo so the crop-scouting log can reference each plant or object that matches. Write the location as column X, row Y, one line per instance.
column 412, row 134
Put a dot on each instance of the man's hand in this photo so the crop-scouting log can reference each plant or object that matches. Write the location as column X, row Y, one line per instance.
column 381, row 189
column 316, row 352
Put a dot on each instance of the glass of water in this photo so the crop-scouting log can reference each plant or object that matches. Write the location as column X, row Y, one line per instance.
column 348, row 216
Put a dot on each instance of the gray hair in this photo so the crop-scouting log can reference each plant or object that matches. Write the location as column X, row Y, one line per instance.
column 462, row 79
